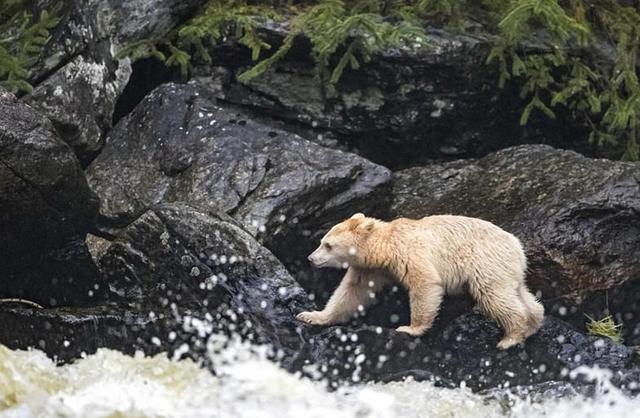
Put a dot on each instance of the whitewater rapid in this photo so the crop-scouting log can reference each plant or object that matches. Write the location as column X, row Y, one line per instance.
column 247, row 384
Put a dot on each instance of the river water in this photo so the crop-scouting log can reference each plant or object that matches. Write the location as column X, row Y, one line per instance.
column 246, row 384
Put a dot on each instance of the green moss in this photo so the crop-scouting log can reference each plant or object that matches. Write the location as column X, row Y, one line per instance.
column 22, row 37
column 605, row 327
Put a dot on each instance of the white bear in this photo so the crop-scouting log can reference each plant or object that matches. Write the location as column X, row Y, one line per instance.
column 430, row 257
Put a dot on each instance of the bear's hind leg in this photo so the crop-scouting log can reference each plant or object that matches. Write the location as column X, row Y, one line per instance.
column 507, row 308
column 534, row 308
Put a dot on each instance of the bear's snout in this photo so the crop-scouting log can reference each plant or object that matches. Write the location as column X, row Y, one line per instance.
column 315, row 259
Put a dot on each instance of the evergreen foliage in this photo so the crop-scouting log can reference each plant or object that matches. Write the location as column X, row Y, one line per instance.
column 605, row 96
column 342, row 33
column 564, row 74
column 22, row 37
column 343, row 36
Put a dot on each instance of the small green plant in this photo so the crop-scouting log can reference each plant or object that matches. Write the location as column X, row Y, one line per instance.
column 605, row 327
column 22, row 37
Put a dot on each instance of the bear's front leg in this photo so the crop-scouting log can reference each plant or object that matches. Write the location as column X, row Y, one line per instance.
column 425, row 297
column 313, row 318
column 357, row 289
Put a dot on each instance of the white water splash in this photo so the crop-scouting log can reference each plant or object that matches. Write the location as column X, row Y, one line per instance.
column 246, row 384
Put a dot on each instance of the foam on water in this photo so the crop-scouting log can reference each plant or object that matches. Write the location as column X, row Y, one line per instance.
column 246, row 384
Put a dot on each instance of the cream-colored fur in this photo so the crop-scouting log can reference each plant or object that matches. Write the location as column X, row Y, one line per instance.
column 430, row 257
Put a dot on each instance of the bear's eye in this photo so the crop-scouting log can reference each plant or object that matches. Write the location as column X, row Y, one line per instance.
column 327, row 246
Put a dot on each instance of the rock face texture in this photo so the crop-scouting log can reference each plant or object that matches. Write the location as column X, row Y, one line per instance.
column 86, row 24
column 79, row 76
column 180, row 146
column 46, row 207
column 406, row 107
column 202, row 268
column 578, row 218
column 79, row 100
column 124, row 21
column 463, row 350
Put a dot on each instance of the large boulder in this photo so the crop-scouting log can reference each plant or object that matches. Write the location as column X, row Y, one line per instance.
column 183, row 263
column 46, row 208
column 177, row 277
column 579, row 218
column 78, row 77
column 181, row 145
column 405, row 107
column 79, row 99
column 85, row 24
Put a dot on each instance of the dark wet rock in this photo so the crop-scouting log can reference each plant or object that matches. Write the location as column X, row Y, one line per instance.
column 46, row 207
column 69, row 333
column 45, row 197
column 79, row 100
column 463, row 350
column 180, row 262
column 621, row 302
column 579, row 218
column 177, row 277
column 405, row 107
column 85, row 24
column 126, row 21
column 77, row 79
column 60, row 276
column 180, row 145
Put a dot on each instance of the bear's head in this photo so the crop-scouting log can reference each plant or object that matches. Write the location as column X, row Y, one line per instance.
column 343, row 245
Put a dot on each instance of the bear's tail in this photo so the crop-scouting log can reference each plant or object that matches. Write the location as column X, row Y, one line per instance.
column 535, row 310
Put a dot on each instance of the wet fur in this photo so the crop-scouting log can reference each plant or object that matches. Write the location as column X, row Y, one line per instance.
column 430, row 257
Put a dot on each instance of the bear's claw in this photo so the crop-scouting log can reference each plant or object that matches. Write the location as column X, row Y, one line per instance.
column 313, row 318
column 507, row 343
column 415, row 331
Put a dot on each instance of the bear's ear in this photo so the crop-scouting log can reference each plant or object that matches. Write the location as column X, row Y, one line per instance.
column 358, row 216
column 367, row 226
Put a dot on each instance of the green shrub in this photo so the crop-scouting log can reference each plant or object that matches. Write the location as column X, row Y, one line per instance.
column 603, row 95
column 22, row 36
column 342, row 37
column 342, row 33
